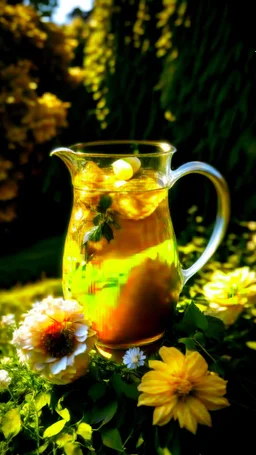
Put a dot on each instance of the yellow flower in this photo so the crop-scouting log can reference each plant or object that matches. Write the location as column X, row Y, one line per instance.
column 228, row 293
column 55, row 339
column 182, row 388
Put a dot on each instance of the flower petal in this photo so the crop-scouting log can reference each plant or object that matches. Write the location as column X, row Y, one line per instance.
column 80, row 329
column 174, row 359
column 50, row 359
column 160, row 376
column 153, row 387
column 145, row 399
column 211, row 402
column 81, row 339
column 210, row 384
column 163, row 414
column 196, row 366
column 81, row 347
column 199, row 411
column 70, row 360
column 158, row 365
column 184, row 416
column 39, row 366
column 58, row 366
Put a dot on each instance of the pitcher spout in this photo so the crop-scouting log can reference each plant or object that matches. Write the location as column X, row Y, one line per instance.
column 69, row 157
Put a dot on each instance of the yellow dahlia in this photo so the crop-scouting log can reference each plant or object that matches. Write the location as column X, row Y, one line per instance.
column 55, row 339
column 182, row 388
column 228, row 293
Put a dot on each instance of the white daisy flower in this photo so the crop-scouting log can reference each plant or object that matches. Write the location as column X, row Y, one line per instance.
column 8, row 320
column 134, row 358
column 4, row 380
column 55, row 339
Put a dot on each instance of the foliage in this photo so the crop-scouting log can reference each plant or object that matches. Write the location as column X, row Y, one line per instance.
column 36, row 81
column 99, row 413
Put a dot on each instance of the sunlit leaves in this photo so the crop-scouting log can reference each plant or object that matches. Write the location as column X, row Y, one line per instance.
column 54, row 429
column 42, row 399
column 11, row 423
column 85, row 431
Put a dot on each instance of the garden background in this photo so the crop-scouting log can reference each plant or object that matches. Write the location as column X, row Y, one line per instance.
column 177, row 71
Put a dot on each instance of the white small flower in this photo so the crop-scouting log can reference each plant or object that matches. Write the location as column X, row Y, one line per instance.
column 4, row 380
column 134, row 358
column 8, row 320
column 55, row 340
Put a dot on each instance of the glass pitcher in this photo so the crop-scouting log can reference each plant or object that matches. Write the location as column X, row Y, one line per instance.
column 120, row 257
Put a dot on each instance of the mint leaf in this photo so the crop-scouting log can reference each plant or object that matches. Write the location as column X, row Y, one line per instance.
column 107, row 232
column 104, row 204
column 97, row 219
column 94, row 235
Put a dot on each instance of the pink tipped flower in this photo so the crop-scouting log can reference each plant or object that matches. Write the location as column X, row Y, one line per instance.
column 55, row 340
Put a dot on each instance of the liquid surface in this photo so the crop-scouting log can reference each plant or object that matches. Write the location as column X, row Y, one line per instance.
column 120, row 260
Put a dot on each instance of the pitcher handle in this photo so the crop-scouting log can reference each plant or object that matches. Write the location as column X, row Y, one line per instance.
column 222, row 217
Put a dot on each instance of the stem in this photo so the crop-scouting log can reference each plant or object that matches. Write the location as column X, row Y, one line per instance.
column 36, row 428
column 12, row 397
column 129, row 437
column 203, row 349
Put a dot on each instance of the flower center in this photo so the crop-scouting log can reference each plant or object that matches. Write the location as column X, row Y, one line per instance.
column 135, row 359
column 233, row 291
column 58, row 340
column 183, row 388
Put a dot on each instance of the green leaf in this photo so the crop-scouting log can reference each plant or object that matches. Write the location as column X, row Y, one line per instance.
column 189, row 343
column 163, row 451
column 63, row 438
column 97, row 391
column 104, row 204
column 216, row 328
column 96, row 234
column 193, row 320
column 140, row 441
column 111, row 438
column 98, row 219
column 64, row 413
column 43, row 447
column 54, row 429
column 85, row 431
column 11, row 423
column 42, row 399
column 129, row 390
column 107, row 232
column 104, row 414
column 72, row 448
column 216, row 368
column 251, row 344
